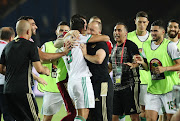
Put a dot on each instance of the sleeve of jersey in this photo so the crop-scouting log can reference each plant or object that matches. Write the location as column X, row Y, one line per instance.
column 134, row 49
column 110, row 46
column 2, row 59
column 103, row 45
column 34, row 56
column 173, row 51
column 84, row 38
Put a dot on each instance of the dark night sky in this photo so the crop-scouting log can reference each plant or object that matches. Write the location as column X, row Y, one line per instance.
column 110, row 11
column 113, row 11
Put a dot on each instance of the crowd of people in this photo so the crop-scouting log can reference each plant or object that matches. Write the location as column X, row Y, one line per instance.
column 75, row 68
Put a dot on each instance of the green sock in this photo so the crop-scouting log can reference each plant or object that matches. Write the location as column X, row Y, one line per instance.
column 120, row 117
column 143, row 118
column 80, row 118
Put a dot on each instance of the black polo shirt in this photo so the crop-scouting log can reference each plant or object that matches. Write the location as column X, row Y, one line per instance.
column 129, row 76
column 18, row 56
column 99, row 71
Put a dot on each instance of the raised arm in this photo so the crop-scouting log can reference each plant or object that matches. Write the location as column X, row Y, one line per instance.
column 99, row 38
column 50, row 56
column 60, row 41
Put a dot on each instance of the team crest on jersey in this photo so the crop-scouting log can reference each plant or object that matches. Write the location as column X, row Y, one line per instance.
column 93, row 46
column 153, row 64
column 140, row 50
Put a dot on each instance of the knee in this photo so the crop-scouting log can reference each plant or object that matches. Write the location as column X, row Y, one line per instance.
column 115, row 117
column 142, row 114
column 134, row 117
column 150, row 118
column 168, row 117
column 142, row 108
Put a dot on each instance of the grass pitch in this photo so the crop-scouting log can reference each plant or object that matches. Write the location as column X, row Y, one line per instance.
column 58, row 116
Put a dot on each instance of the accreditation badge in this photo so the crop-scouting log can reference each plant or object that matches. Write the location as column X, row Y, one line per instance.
column 118, row 74
column 54, row 71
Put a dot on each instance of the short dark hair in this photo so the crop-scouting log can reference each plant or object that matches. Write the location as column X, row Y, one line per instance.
column 6, row 34
column 142, row 14
column 159, row 23
column 25, row 18
column 121, row 23
column 77, row 23
column 78, row 16
column 173, row 20
column 63, row 23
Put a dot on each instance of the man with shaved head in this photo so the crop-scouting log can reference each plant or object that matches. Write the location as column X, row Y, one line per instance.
column 43, row 56
column 16, row 63
column 6, row 35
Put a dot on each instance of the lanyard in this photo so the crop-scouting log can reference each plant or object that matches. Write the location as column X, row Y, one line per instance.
column 121, row 52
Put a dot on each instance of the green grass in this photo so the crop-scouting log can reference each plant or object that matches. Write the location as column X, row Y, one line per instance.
column 58, row 116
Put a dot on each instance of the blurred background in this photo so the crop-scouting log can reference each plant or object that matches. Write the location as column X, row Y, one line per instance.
column 48, row 13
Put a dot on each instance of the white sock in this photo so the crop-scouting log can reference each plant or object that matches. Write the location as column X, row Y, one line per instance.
column 122, row 119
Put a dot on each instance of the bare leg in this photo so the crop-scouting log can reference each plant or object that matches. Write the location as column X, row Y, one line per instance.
column 134, row 117
column 84, row 112
column 47, row 118
column 142, row 114
column 115, row 117
column 169, row 116
column 151, row 115
column 176, row 116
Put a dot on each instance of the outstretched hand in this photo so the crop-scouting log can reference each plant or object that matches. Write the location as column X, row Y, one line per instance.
column 138, row 59
column 42, row 81
column 130, row 65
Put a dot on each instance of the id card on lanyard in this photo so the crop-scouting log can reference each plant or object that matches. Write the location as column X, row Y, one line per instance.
column 118, row 71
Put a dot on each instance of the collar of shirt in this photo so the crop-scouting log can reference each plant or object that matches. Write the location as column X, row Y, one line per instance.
column 3, row 42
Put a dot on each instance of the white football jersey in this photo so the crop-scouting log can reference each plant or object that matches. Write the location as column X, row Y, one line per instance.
column 75, row 62
column 2, row 45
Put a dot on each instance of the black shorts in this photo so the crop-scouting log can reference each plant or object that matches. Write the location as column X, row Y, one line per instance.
column 126, row 101
column 3, row 106
column 22, row 107
column 103, row 92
